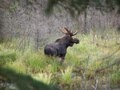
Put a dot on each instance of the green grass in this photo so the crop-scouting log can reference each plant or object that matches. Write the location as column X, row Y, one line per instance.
column 115, row 79
column 84, row 64
column 66, row 75
column 7, row 56
column 43, row 77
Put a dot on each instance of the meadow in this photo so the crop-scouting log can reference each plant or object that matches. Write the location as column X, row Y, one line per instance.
column 94, row 64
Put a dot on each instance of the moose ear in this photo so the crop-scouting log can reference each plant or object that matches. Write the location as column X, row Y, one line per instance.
column 57, row 40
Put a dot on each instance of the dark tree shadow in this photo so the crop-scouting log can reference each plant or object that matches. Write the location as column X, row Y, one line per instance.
column 24, row 82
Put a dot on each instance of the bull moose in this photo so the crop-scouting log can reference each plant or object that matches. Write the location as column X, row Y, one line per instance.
column 59, row 47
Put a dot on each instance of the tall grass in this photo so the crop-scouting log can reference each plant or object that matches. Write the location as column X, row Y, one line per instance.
column 87, row 65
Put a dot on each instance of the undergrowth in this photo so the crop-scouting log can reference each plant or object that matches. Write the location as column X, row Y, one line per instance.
column 90, row 65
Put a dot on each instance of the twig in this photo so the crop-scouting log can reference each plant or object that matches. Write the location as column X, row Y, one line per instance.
column 110, row 54
column 117, row 44
column 80, row 68
column 101, row 69
column 96, row 84
column 98, row 70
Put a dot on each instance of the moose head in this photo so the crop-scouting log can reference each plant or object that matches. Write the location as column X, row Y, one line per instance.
column 59, row 47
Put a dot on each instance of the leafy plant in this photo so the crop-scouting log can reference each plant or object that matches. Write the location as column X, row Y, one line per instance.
column 43, row 77
column 115, row 79
column 66, row 75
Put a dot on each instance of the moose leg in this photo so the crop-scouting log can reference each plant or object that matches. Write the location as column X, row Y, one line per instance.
column 62, row 60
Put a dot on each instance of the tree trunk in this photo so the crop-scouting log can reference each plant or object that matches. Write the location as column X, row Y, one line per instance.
column 85, row 22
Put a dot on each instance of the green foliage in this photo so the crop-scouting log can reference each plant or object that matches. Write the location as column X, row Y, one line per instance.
column 24, row 82
column 50, row 5
column 18, row 66
column 66, row 75
column 43, row 77
column 75, row 7
column 7, row 56
column 53, row 66
column 13, row 6
column 84, row 65
column 35, row 62
column 115, row 79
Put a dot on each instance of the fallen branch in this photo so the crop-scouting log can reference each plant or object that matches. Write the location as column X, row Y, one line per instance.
column 97, row 70
column 110, row 54
column 83, row 69
column 105, row 46
column 111, row 65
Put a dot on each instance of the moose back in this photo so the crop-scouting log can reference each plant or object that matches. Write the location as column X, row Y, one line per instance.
column 59, row 47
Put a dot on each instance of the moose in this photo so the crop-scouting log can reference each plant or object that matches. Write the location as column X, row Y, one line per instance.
column 59, row 47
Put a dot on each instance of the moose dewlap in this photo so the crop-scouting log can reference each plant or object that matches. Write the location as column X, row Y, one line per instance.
column 59, row 47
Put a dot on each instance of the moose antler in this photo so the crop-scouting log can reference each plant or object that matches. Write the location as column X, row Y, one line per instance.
column 75, row 33
column 68, row 32
column 63, row 30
